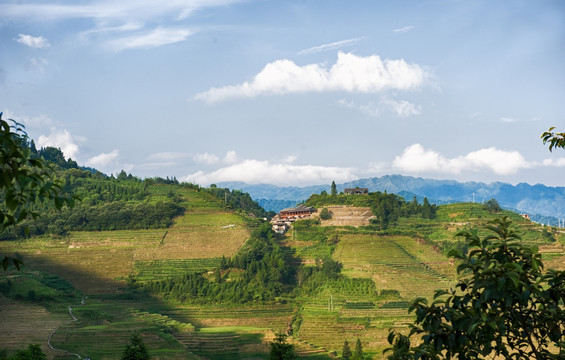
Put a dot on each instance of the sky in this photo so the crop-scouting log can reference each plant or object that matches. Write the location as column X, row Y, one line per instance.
column 295, row 92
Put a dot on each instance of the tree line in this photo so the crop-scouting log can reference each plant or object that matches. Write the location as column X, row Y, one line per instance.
column 107, row 203
column 257, row 272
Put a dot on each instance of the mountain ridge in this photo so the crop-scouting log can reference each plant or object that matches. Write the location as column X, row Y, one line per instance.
column 544, row 203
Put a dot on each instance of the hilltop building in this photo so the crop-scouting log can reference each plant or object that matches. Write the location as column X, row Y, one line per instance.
column 356, row 191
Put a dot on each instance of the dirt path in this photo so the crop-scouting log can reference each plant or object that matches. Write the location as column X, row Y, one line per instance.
column 73, row 319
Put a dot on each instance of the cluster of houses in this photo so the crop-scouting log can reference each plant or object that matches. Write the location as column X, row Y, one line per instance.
column 284, row 219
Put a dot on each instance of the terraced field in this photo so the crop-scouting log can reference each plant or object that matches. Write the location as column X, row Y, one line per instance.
column 382, row 275
column 394, row 263
column 15, row 324
column 98, row 263
column 343, row 215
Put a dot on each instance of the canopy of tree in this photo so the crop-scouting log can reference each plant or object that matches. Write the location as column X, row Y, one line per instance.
column 504, row 305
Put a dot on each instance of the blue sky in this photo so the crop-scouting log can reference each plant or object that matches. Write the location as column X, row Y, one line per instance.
column 291, row 92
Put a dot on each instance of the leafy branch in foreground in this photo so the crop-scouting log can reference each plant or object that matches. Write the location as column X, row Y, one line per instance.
column 554, row 139
column 504, row 306
column 24, row 180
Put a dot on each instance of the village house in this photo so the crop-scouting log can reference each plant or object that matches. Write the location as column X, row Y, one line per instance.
column 300, row 211
column 356, row 191
column 284, row 219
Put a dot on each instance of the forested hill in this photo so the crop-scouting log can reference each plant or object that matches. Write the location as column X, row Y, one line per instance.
column 116, row 203
column 548, row 202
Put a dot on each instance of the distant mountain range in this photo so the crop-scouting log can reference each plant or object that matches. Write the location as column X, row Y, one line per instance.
column 544, row 204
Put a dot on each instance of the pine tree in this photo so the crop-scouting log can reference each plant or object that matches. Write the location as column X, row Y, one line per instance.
column 281, row 350
column 358, row 354
column 333, row 191
column 136, row 349
column 346, row 352
column 33, row 352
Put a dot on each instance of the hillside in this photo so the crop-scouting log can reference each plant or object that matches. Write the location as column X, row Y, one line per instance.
column 545, row 204
column 381, row 272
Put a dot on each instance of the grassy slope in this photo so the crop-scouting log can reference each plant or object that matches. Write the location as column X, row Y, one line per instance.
column 97, row 264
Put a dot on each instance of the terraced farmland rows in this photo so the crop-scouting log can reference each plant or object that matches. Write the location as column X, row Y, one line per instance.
column 161, row 269
column 390, row 265
column 26, row 323
column 232, row 333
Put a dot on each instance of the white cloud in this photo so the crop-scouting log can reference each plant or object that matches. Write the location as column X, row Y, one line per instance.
column 208, row 159
column 289, row 159
column 507, row 120
column 331, row 46
column 351, row 73
column 417, row 159
column 231, row 157
column 149, row 39
column 404, row 29
column 257, row 172
column 399, row 108
column 103, row 160
column 63, row 140
column 559, row 162
column 36, row 42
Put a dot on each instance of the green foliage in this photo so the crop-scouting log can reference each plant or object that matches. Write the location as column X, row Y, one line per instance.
column 107, row 204
column 135, row 349
column 555, row 139
column 504, row 305
column 32, row 352
column 237, row 199
column 325, row 214
column 26, row 181
column 333, row 191
column 281, row 350
column 56, row 156
column 262, row 274
column 388, row 208
column 548, row 235
column 492, row 206
column 346, row 353
column 358, row 353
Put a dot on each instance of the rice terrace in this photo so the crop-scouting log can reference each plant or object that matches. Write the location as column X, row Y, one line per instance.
column 282, row 180
column 130, row 280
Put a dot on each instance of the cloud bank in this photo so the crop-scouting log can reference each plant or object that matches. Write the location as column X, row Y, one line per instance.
column 351, row 73
column 264, row 172
column 103, row 160
column 417, row 159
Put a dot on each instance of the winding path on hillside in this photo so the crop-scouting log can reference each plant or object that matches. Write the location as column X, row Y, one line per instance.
column 73, row 319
